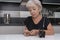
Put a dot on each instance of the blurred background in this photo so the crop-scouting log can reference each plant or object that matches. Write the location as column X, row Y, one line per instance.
column 14, row 12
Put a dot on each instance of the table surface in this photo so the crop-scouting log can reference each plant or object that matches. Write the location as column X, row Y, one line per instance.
column 22, row 37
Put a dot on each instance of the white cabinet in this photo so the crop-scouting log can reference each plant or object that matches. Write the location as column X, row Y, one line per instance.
column 56, row 29
column 11, row 29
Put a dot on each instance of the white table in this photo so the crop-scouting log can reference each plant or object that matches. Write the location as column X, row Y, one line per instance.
column 22, row 37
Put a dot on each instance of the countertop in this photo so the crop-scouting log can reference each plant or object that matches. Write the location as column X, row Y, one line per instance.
column 22, row 37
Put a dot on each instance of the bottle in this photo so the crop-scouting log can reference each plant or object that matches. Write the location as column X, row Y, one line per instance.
column 42, row 32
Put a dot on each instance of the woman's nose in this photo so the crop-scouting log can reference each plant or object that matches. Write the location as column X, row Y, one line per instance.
column 32, row 11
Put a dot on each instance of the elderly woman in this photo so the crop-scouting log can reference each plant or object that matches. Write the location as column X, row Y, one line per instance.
column 34, row 23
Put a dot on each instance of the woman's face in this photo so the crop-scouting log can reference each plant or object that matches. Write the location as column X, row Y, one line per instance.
column 34, row 10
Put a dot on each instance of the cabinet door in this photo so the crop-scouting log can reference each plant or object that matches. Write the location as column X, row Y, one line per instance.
column 11, row 29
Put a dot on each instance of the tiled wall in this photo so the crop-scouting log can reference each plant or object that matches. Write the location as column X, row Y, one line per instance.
column 24, row 14
column 14, row 9
column 12, row 13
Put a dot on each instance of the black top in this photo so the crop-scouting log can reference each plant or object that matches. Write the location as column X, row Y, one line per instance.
column 31, row 25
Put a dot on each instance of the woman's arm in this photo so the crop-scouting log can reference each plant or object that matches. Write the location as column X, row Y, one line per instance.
column 50, row 30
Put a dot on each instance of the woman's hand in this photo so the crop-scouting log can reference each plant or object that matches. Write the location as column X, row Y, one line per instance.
column 30, row 33
column 26, row 33
column 34, row 32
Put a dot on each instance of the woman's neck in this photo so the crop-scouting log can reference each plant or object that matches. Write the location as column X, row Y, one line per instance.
column 38, row 17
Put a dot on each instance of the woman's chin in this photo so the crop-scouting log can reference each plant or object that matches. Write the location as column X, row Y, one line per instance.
column 34, row 16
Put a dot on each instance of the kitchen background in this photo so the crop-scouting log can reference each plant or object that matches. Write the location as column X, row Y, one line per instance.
column 18, row 13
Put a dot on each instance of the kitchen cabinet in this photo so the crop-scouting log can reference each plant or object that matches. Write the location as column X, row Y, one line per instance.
column 20, row 29
column 11, row 29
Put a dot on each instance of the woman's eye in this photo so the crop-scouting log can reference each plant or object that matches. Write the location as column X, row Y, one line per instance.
column 33, row 9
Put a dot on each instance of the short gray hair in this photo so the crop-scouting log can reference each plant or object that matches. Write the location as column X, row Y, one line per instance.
column 37, row 2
